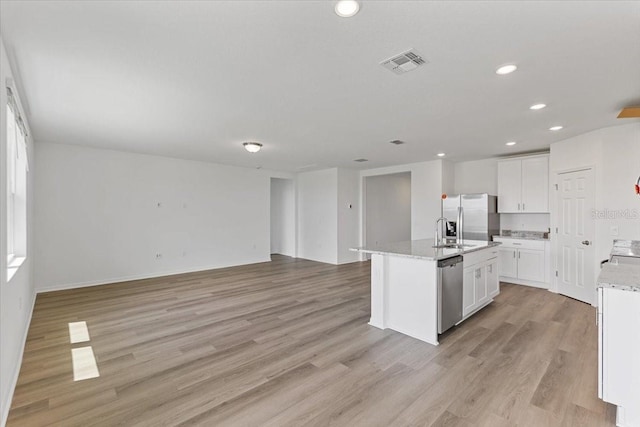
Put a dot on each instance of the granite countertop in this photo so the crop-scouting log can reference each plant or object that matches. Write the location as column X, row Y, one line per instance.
column 620, row 276
column 423, row 249
column 543, row 239
column 524, row 235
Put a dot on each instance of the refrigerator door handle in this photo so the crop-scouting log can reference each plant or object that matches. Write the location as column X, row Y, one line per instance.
column 460, row 230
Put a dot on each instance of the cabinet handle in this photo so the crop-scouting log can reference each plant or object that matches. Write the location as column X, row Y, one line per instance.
column 523, row 206
column 518, row 254
column 490, row 268
column 518, row 206
column 514, row 254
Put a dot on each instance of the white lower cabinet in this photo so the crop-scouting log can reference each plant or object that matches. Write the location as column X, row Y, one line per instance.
column 468, row 290
column 524, row 261
column 508, row 262
column 493, row 282
column 531, row 265
column 619, row 352
column 479, row 281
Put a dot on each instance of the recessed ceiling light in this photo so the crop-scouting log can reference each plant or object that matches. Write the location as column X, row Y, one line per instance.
column 506, row 69
column 252, row 147
column 361, row 160
column 537, row 106
column 555, row 128
column 441, row 154
column 347, row 8
column 510, row 143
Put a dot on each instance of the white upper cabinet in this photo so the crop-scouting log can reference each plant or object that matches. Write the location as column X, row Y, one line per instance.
column 523, row 185
column 509, row 186
column 535, row 184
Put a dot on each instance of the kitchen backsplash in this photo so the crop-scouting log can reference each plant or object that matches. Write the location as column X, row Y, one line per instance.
column 525, row 222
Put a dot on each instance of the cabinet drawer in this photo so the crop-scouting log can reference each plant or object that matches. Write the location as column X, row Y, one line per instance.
column 536, row 245
column 479, row 256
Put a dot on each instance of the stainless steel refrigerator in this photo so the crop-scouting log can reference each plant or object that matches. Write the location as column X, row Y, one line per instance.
column 475, row 216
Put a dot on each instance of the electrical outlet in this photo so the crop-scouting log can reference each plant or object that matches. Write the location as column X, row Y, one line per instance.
column 158, row 255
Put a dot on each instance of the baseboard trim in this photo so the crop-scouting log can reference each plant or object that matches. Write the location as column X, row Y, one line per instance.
column 109, row 281
column 524, row 282
column 14, row 381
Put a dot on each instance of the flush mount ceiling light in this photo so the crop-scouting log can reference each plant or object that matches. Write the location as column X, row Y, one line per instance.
column 510, row 143
column 347, row 8
column 441, row 154
column 537, row 106
column 554, row 128
column 252, row 147
column 506, row 69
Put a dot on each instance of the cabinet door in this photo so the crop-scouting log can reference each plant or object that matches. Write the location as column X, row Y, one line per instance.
column 509, row 186
column 468, row 290
column 493, row 283
column 620, row 351
column 535, row 185
column 508, row 262
column 480, row 285
column 531, row 265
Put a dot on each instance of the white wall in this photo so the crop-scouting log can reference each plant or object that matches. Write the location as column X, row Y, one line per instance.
column 348, row 215
column 283, row 217
column 16, row 296
column 448, row 177
column 614, row 152
column 478, row 176
column 104, row 215
column 387, row 213
column 426, row 191
column 317, row 215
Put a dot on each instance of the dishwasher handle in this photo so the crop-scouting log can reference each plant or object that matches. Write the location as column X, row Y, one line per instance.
column 450, row 262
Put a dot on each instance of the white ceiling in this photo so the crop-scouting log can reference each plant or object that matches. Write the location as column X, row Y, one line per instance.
column 196, row 79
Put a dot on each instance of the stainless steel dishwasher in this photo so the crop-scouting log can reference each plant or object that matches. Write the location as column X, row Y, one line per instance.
column 449, row 292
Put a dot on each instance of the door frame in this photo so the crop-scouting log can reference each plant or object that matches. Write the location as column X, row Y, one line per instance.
column 554, row 220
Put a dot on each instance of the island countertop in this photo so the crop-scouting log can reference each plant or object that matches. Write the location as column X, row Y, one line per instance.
column 620, row 276
column 423, row 249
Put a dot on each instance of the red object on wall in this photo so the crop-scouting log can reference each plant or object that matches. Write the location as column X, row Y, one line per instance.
column 638, row 186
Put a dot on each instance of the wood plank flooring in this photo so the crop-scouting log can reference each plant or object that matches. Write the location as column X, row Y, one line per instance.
column 287, row 343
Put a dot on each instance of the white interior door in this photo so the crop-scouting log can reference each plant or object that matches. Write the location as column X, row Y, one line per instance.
column 575, row 249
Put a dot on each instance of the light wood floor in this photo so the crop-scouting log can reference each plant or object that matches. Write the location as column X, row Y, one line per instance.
column 287, row 343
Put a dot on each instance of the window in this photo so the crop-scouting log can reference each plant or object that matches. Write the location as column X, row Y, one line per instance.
column 17, row 167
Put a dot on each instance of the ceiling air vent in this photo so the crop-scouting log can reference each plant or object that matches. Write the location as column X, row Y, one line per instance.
column 405, row 62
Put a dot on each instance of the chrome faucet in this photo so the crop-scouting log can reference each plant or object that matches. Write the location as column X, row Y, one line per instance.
column 439, row 234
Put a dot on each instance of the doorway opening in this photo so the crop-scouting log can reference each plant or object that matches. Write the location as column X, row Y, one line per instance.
column 283, row 217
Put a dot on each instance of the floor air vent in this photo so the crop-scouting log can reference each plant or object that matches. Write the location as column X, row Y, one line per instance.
column 405, row 62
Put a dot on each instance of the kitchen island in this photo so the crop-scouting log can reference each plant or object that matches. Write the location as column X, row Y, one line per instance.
column 406, row 286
